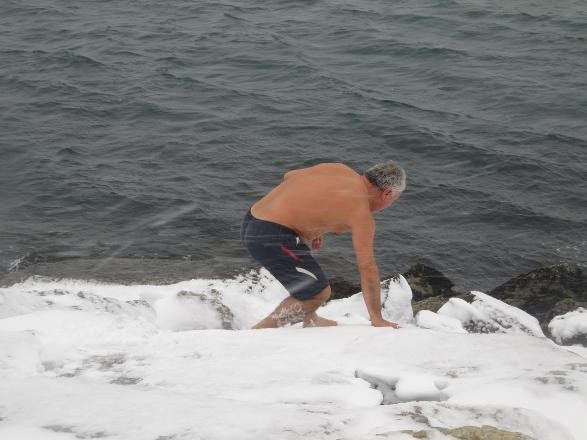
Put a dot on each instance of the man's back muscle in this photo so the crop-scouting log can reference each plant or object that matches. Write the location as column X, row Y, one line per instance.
column 315, row 200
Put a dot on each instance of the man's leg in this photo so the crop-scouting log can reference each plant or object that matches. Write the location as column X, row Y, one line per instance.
column 292, row 310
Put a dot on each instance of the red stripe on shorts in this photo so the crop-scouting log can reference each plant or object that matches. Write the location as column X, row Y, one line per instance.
column 290, row 253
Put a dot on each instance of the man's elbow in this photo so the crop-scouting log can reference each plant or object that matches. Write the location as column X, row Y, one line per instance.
column 367, row 267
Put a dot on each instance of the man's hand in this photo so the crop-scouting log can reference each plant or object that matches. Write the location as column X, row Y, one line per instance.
column 318, row 242
column 383, row 323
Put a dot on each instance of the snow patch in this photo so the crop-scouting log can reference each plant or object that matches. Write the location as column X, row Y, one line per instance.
column 570, row 327
column 405, row 386
column 434, row 321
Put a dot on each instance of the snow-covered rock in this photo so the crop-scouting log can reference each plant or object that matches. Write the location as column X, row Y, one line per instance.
column 489, row 315
column 397, row 301
column 434, row 321
column 405, row 386
column 570, row 328
column 396, row 305
column 193, row 311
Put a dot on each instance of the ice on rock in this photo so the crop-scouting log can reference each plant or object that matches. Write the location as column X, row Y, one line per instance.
column 490, row 315
column 434, row 321
column 570, row 328
column 193, row 311
column 405, row 386
column 397, row 301
column 396, row 305
column 510, row 319
column 464, row 312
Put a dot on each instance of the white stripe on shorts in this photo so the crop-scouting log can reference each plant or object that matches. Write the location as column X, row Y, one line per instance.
column 307, row 272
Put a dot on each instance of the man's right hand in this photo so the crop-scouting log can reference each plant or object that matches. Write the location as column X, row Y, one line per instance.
column 383, row 323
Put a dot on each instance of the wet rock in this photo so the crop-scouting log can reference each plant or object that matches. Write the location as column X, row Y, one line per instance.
column 471, row 433
column 427, row 282
column 564, row 306
column 433, row 304
column 342, row 288
column 430, row 288
column 546, row 292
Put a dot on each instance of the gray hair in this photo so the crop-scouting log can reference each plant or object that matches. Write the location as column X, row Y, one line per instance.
column 387, row 175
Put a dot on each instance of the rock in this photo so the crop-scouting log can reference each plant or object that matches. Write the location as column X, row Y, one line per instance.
column 471, row 433
column 342, row 288
column 433, row 304
column 427, row 282
column 430, row 288
column 472, row 320
column 489, row 315
column 546, row 292
column 562, row 307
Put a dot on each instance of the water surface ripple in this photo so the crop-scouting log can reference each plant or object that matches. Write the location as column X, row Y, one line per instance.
column 144, row 129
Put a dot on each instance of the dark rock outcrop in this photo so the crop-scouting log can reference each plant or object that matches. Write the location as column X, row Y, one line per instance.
column 427, row 282
column 342, row 288
column 430, row 288
column 546, row 292
column 470, row 433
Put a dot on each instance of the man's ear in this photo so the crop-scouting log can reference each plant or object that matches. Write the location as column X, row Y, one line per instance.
column 388, row 192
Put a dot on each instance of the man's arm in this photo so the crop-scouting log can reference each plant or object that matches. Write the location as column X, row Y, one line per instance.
column 363, row 230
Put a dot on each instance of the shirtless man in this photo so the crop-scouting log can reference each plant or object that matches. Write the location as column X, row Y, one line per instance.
column 308, row 203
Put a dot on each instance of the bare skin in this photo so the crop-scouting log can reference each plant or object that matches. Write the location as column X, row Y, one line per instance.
column 327, row 198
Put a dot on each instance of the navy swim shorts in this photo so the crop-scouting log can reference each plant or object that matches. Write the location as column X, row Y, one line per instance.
column 283, row 253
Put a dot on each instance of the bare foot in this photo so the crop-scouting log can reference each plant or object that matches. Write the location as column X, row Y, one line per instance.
column 318, row 321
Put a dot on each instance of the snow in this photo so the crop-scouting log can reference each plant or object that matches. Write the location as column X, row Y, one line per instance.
column 434, row 321
column 570, row 326
column 489, row 315
column 81, row 359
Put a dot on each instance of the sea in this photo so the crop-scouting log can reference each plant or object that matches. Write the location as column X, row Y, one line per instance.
column 135, row 134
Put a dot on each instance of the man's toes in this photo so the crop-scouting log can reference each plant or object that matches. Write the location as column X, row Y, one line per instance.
column 318, row 321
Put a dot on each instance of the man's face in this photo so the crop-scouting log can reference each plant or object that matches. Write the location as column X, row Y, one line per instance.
column 384, row 199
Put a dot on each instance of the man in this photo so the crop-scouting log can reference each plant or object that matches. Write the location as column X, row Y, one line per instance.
column 308, row 203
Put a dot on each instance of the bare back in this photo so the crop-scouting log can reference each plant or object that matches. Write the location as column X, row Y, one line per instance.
column 316, row 200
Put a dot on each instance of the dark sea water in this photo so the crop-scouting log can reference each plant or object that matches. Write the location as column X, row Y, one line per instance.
column 135, row 130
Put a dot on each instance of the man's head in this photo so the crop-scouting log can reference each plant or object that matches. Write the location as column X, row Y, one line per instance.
column 389, row 179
